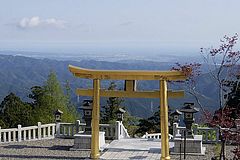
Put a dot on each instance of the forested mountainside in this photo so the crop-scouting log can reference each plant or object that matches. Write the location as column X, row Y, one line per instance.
column 18, row 74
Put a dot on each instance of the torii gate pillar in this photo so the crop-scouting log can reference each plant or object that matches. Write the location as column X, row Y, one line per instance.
column 164, row 120
column 95, row 120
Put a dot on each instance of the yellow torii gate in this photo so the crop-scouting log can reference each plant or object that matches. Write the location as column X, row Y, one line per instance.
column 129, row 76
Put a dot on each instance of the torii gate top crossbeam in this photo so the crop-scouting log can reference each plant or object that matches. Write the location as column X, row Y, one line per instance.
column 126, row 74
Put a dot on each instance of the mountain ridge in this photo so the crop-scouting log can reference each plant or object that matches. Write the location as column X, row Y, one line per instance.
column 18, row 74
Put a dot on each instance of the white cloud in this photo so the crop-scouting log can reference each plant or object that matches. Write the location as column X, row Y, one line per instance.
column 36, row 21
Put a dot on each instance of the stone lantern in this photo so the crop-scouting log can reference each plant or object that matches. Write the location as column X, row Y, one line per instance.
column 82, row 140
column 120, row 113
column 58, row 114
column 87, row 114
column 188, row 110
column 176, row 116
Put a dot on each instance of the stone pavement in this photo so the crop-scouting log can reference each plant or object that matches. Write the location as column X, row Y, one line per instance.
column 55, row 149
column 133, row 149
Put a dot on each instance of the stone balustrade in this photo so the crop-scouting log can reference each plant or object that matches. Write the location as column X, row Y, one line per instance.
column 59, row 130
column 155, row 136
column 121, row 131
column 210, row 135
column 112, row 131
column 67, row 130
column 109, row 130
column 31, row 133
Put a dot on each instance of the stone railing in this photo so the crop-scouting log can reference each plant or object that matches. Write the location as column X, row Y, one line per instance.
column 210, row 135
column 121, row 131
column 109, row 129
column 59, row 130
column 31, row 133
column 67, row 130
column 155, row 136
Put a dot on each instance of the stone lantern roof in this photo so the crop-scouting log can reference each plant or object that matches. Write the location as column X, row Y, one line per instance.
column 57, row 112
column 87, row 104
column 120, row 110
column 176, row 112
column 189, row 108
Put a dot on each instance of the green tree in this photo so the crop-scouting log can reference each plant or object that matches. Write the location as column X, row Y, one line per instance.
column 130, row 122
column 113, row 104
column 48, row 99
column 36, row 95
column 71, row 107
column 152, row 124
column 14, row 112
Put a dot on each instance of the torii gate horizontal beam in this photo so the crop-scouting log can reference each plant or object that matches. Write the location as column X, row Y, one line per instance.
column 126, row 74
column 129, row 94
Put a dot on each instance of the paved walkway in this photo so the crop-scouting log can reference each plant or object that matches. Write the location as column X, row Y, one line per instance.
column 55, row 149
column 133, row 149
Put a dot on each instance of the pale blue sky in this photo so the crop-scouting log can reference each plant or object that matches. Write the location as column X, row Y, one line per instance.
column 126, row 23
